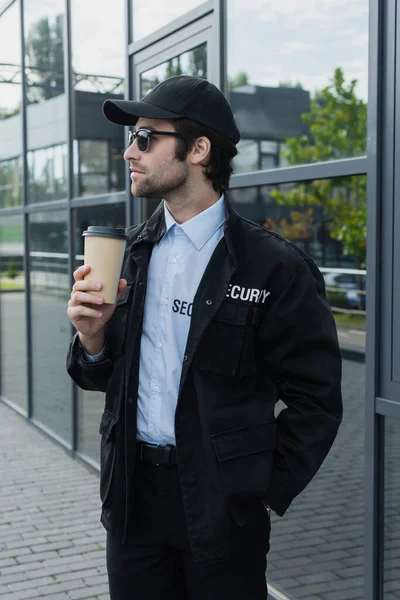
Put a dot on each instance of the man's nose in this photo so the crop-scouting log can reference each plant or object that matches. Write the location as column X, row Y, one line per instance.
column 132, row 153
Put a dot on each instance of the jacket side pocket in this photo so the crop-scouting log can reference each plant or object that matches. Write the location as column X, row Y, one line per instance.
column 245, row 457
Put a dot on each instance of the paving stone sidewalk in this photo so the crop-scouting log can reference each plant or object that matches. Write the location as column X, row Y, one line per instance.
column 52, row 544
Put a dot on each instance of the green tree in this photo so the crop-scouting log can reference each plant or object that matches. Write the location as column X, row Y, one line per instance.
column 287, row 84
column 337, row 123
column 45, row 59
column 198, row 61
column 173, row 67
column 298, row 226
column 149, row 83
column 6, row 113
column 12, row 271
column 242, row 78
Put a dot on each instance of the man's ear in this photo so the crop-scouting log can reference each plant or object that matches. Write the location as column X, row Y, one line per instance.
column 200, row 151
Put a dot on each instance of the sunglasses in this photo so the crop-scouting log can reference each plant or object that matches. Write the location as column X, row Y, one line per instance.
column 142, row 137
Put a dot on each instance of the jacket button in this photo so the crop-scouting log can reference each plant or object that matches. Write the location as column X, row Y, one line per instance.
column 130, row 400
column 185, row 357
column 209, row 302
column 141, row 284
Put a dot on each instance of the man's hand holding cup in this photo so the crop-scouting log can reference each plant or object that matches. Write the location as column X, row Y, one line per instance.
column 88, row 312
column 97, row 285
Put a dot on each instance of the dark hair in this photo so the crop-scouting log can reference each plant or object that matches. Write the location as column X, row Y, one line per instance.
column 218, row 170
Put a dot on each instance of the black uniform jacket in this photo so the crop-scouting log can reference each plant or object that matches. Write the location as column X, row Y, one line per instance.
column 261, row 330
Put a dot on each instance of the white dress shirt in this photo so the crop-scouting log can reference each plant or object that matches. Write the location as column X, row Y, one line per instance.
column 176, row 267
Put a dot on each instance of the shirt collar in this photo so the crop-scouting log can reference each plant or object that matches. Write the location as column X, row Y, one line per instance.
column 200, row 228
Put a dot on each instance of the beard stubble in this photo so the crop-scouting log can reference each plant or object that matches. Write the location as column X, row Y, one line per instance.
column 173, row 175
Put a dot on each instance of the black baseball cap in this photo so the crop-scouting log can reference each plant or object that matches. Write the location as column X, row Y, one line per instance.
column 177, row 98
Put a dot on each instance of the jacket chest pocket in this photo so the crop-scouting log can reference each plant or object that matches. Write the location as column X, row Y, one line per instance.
column 227, row 347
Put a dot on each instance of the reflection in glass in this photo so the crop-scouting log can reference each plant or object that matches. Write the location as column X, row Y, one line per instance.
column 317, row 548
column 248, row 157
column 44, row 47
column 311, row 99
column 10, row 108
column 106, row 215
column 10, row 180
column 91, row 404
column 94, row 156
column 391, row 510
column 101, row 167
column 47, row 117
column 193, row 62
column 50, row 291
column 13, row 374
column 257, row 155
column 154, row 14
column 47, row 173
column 98, row 74
column 327, row 219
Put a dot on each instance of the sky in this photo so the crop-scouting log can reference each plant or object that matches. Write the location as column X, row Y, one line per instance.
column 272, row 40
column 150, row 15
column 299, row 41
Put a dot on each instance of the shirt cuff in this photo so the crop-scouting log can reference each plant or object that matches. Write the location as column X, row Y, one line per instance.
column 95, row 357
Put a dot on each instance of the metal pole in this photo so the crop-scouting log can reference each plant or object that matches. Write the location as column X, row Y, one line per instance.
column 221, row 46
column 129, row 217
column 24, row 161
column 374, row 424
column 69, row 93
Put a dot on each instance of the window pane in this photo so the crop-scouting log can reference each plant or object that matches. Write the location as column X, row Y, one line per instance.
column 47, row 118
column 327, row 219
column 106, row 215
column 317, row 548
column 93, row 184
column 300, row 80
column 94, row 157
column 98, row 74
column 44, row 46
column 248, row 158
column 391, row 559
column 50, row 291
column 12, row 312
column 193, row 62
column 10, row 108
column 47, row 173
column 91, row 404
column 154, row 14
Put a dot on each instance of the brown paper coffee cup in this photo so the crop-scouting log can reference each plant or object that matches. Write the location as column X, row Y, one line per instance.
column 104, row 253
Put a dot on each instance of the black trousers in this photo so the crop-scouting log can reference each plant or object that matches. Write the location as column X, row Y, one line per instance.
column 157, row 563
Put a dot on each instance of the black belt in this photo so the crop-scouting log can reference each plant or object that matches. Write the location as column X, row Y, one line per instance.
column 156, row 455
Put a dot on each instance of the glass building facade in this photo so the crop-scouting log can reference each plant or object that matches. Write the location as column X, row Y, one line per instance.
column 298, row 77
